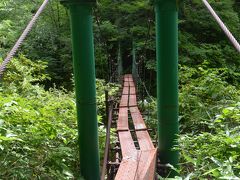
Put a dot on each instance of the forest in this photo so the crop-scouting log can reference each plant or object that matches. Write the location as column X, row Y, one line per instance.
column 38, row 123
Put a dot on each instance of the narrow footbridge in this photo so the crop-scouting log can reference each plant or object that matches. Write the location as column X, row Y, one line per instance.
column 138, row 151
column 138, row 154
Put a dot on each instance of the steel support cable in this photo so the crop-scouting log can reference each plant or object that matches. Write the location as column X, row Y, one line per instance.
column 148, row 32
column 143, row 84
column 222, row 25
column 101, row 41
column 112, row 76
column 148, row 36
column 22, row 38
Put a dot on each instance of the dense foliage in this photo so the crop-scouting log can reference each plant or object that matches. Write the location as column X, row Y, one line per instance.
column 38, row 135
column 38, row 128
column 209, row 124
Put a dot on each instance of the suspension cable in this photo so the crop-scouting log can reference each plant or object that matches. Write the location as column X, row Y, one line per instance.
column 21, row 38
column 141, row 61
column 148, row 32
column 111, row 79
column 145, row 88
column 222, row 25
column 103, row 43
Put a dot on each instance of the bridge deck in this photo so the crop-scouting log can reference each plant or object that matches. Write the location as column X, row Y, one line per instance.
column 135, row 164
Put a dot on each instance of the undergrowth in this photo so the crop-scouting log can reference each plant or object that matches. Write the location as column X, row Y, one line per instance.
column 209, row 118
column 38, row 128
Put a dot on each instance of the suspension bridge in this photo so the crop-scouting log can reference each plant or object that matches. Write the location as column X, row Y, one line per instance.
column 136, row 156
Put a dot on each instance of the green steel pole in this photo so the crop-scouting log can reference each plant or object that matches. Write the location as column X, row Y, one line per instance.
column 167, row 79
column 84, row 75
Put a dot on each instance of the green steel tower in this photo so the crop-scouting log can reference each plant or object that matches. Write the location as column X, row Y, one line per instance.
column 85, row 85
column 167, row 79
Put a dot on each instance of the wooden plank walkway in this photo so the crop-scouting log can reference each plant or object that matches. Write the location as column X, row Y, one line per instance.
column 135, row 164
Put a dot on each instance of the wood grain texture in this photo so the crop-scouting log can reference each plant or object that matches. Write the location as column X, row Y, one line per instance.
column 122, row 123
column 135, row 164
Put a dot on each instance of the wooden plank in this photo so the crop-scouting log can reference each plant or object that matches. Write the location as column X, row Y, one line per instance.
column 134, row 109
column 146, row 165
column 127, row 76
column 141, row 166
column 131, row 84
column 132, row 100
column 132, row 91
column 144, row 140
column 127, row 145
column 128, row 168
column 122, row 123
column 126, row 84
column 124, row 101
column 130, row 78
column 137, row 118
column 135, row 165
column 125, row 90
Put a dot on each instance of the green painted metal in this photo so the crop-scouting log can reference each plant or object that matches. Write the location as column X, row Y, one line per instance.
column 134, row 63
column 167, row 79
column 120, row 68
column 84, row 75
